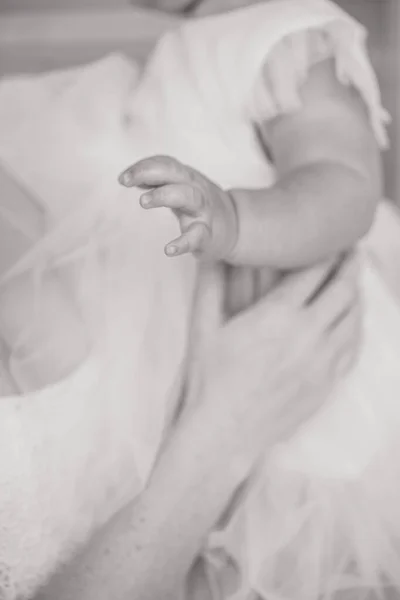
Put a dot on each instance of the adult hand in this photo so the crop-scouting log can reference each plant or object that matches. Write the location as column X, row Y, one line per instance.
column 264, row 373
column 272, row 367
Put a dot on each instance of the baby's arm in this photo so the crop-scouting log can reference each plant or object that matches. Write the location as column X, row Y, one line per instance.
column 328, row 185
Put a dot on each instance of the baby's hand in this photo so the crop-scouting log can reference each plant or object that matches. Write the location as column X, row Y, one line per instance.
column 206, row 213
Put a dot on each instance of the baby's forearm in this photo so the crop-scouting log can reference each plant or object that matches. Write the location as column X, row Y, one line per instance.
column 308, row 216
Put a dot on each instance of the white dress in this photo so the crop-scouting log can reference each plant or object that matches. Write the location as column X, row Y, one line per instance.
column 324, row 513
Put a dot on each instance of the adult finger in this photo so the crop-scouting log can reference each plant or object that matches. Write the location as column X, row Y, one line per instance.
column 297, row 289
column 290, row 300
column 349, row 332
column 291, row 294
column 337, row 351
column 336, row 298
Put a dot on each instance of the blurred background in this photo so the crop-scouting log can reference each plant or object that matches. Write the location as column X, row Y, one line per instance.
column 36, row 35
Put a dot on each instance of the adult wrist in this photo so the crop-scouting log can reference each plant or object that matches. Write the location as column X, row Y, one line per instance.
column 216, row 442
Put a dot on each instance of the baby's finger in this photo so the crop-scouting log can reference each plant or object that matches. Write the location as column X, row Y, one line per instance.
column 183, row 197
column 193, row 240
column 155, row 171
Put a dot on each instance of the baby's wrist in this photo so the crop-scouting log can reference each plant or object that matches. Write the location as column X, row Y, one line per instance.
column 259, row 216
column 231, row 219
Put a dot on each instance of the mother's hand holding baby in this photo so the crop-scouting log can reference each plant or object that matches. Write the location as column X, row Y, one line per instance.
column 266, row 372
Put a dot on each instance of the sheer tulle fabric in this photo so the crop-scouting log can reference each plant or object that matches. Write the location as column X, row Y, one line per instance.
column 322, row 513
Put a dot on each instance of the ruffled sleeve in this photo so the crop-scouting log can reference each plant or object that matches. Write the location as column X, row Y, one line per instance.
column 248, row 65
column 277, row 89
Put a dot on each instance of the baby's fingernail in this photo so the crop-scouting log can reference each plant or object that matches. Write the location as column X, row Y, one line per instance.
column 126, row 178
column 171, row 250
column 145, row 200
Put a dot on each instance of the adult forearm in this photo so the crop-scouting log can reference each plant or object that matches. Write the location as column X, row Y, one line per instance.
column 146, row 551
column 306, row 217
